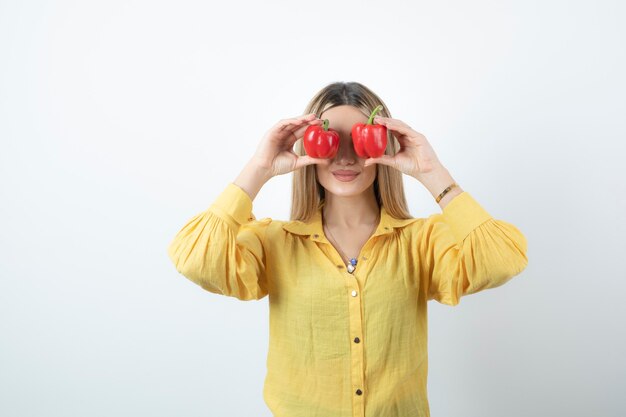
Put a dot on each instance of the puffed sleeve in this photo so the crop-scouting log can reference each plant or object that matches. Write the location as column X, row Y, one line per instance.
column 465, row 250
column 221, row 249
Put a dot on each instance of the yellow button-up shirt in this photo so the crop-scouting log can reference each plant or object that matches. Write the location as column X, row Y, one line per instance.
column 342, row 344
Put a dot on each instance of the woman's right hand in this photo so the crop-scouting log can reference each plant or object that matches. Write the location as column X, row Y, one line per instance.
column 275, row 152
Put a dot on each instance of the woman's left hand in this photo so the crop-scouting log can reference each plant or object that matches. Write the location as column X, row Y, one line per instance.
column 415, row 157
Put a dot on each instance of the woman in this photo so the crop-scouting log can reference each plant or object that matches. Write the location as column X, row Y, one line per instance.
column 349, row 276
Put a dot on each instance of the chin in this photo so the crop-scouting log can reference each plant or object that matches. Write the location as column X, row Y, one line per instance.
column 342, row 192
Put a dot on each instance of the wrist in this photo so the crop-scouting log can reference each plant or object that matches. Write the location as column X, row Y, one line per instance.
column 252, row 178
column 436, row 181
column 262, row 172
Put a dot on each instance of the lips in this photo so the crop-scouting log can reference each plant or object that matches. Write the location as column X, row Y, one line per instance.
column 345, row 175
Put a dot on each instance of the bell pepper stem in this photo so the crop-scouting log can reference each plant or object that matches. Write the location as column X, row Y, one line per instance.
column 371, row 119
column 325, row 125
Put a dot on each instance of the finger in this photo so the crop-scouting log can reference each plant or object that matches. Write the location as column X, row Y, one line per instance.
column 298, row 133
column 292, row 135
column 396, row 126
column 288, row 139
column 304, row 117
column 403, row 140
column 305, row 160
column 383, row 160
column 295, row 122
column 299, row 128
column 284, row 129
column 383, row 119
column 390, row 121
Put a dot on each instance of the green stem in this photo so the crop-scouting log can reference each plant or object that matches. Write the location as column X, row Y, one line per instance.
column 371, row 119
column 325, row 125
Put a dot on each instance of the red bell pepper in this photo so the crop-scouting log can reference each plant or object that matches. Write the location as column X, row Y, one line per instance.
column 321, row 141
column 369, row 140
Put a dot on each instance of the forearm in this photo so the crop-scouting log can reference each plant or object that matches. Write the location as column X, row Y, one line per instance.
column 252, row 178
column 436, row 181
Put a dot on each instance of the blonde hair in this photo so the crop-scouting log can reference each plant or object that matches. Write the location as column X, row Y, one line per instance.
column 307, row 194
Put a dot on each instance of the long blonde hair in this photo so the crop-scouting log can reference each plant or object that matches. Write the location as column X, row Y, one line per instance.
column 307, row 194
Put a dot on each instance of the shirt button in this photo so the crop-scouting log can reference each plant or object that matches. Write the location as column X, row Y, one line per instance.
column 357, row 340
column 359, row 392
column 354, row 293
column 339, row 266
column 386, row 228
column 316, row 236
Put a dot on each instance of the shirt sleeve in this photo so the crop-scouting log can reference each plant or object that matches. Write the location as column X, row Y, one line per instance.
column 465, row 250
column 221, row 249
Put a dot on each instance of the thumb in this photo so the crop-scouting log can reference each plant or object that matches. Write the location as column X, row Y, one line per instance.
column 383, row 160
column 305, row 160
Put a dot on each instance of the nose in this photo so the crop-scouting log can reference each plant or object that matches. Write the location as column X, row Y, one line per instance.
column 345, row 154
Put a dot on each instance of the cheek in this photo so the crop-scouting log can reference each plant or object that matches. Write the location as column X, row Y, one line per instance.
column 323, row 177
column 370, row 173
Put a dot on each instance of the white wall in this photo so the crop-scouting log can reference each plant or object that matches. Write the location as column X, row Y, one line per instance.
column 120, row 120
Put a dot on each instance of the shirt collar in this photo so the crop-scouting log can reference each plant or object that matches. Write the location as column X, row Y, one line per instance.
column 314, row 228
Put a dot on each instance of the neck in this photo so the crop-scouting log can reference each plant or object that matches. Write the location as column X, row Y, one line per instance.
column 352, row 211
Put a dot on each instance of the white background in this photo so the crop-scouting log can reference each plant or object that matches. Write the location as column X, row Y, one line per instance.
column 120, row 120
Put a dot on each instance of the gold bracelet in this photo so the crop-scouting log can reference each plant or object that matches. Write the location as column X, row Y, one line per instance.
column 451, row 186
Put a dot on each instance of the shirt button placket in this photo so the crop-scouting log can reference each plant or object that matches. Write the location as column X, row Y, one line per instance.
column 356, row 348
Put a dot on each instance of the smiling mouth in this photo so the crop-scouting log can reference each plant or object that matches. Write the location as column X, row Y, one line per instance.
column 345, row 178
